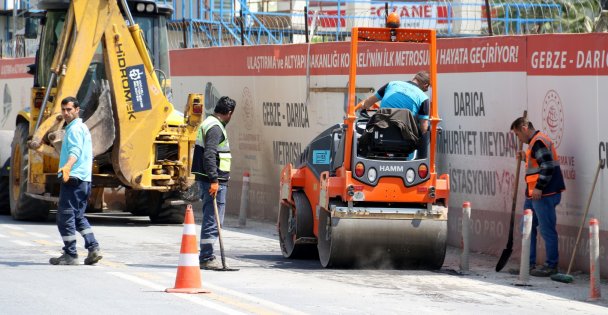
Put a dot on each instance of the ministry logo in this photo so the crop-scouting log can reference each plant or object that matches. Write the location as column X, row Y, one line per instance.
column 247, row 101
column 553, row 117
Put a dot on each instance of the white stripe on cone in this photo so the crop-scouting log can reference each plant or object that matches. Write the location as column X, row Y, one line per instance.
column 190, row 229
column 188, row 260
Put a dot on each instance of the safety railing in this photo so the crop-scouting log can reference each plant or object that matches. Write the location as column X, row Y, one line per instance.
column 18, row 48
column 331, row 20
column 221, row 22
column 213, row 23
column 13, row 43
column 326, row 20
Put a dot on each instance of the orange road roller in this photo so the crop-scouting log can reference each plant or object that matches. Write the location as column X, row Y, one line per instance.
column 368, row 204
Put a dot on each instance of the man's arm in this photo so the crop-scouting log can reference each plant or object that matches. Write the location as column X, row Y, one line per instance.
column 424, row 125
column 212, row 139
column 423, row 116
column 374, row 98
column 74, row 141
column 370, row 101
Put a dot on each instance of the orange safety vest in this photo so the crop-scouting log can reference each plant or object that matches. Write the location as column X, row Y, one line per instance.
column 533, row 168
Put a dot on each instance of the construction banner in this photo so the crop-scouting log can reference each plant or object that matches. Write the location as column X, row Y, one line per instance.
column 288, row 94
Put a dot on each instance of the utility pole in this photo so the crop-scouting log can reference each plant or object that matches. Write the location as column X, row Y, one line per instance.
column 14, row 39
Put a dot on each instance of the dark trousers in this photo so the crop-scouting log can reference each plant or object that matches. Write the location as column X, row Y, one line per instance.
column 544, row 218
column 423, row 145
column 73, row 198
column 209, row 232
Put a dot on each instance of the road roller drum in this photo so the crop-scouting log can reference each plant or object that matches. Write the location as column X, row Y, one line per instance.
column 405, row 238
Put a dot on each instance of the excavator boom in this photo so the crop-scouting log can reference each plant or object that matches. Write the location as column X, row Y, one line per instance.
column 139, row 140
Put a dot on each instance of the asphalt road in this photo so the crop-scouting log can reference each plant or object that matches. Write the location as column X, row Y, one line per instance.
column 140, row 261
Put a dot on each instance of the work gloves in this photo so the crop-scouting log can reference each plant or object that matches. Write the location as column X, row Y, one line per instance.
column 214, row 188
column 65, row 173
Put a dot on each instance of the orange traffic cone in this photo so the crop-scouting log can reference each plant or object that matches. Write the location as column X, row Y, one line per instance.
column 188, row 279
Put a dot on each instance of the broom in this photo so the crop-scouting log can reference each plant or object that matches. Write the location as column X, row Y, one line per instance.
column 567, row 278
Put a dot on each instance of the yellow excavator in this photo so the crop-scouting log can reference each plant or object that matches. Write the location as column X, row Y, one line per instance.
column 114, row 58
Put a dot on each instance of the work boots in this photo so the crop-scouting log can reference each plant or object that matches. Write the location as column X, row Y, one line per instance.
column 515, row 271
column 93, row 257
column 212, row 264
column 64, row 259
column 544, row 271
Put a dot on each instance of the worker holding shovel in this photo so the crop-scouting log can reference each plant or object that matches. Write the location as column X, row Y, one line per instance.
column 211, row 166
column 543, row 192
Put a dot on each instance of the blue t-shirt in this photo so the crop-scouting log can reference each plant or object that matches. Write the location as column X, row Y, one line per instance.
column 77, row 143
column 405, row 95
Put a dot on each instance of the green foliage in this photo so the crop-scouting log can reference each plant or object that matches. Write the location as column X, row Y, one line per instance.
column 541, row 16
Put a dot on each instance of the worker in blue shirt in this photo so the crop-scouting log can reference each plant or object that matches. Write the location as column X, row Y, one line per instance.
column 75, row 166
column 407, row 95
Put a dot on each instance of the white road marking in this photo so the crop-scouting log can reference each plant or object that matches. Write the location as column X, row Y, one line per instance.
column 12, row 227
column 44, row 242
column 191, row 298
column 40, row 235
column 23, row 243
column 281, row 308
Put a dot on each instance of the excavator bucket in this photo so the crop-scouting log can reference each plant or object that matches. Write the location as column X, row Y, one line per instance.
column 101, row 122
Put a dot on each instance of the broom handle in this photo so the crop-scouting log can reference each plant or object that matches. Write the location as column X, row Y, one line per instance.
column 580, row 229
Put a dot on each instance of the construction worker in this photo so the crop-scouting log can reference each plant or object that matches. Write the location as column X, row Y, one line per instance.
column 211, row 166
column 407, row 95
column 543, row 192
column 76, row 164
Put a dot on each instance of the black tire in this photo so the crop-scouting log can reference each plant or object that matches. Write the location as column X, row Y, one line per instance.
column 156, row 205
column 295, row 222
column 160, row 209
column 91, row 204
column 22, row 206
column 5, row 204
column 136, row 201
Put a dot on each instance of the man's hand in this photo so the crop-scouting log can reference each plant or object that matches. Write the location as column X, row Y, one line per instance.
column 65, row 173
column 370, row 102
column 536, row 194
column 214, row 188
column 67, row 168
column 521, row 155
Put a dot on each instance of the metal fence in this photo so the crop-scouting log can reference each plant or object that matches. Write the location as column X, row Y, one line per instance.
column 18, row 48
column 326, row 20
column 13, row 43
column 214, row 23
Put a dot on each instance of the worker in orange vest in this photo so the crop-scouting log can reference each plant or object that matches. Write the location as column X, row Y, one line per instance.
column 545, row 184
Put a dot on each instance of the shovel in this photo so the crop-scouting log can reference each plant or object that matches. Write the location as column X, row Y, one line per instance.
column 506, row 253
column 219, row 233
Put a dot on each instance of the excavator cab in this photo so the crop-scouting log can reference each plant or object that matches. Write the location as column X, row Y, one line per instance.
column 365, row 193
column 153, row 25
